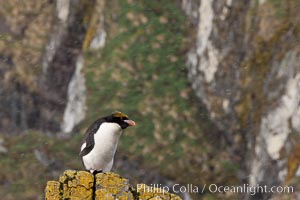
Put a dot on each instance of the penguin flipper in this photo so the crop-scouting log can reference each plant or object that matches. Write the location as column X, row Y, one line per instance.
column 89, row 138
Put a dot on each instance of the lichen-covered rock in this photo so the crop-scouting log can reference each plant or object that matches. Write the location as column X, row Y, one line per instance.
column 72, row 184
column 146, row 192
column 84, row 185
column 111, row 186
column 53, row 190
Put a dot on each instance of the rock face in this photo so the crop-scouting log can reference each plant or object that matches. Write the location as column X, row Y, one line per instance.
column 245, row 68
column 41, row 79
column 83, row 185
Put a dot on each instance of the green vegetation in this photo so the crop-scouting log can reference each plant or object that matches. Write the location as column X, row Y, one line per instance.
column 23, row 175
column 141, row 71
column 280, row 7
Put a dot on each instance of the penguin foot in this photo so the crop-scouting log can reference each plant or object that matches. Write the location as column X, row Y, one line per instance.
column 94, row 172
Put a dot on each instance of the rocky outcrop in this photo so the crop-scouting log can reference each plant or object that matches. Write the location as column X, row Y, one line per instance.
column 84, row 185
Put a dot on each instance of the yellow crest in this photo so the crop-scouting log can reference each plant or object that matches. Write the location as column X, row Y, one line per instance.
column 119, row 114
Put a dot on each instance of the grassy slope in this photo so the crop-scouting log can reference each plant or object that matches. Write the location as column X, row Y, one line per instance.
column 141, row 71
column 22, row 175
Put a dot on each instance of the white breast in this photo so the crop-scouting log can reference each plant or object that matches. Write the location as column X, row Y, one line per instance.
column 106, row 141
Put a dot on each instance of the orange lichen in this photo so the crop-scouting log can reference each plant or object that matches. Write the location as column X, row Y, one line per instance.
column 293, row 163
column 80, row 185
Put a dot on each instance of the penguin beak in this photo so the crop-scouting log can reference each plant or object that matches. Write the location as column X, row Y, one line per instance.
column 130, row 122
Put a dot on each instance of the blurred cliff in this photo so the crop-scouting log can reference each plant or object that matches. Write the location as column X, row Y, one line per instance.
column 213, row 85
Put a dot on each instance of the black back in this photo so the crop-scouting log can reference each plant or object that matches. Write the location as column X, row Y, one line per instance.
column 116, row 117
column 89, row 136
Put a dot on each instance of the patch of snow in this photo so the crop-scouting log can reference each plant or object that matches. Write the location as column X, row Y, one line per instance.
column 63, row 8
column 225, row 10
column 279, row 122
column 275, row 126
column 261, row 1
column 205, row 58
column 187, row 6
column 205, row 25
column 298, row 172
column 209, row 65
column 296, row 120
column 225, row 105
column 287, row 68
column 76, row 107
column 283, row 172
column 3, row 149
column 257, row 173
column 99, row 41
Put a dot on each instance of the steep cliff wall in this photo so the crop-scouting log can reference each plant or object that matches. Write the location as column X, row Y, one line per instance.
column 21, row 49
column 245, row 68
column 41, row 46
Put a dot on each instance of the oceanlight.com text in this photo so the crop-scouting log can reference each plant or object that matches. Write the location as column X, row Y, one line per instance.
column 252, row 190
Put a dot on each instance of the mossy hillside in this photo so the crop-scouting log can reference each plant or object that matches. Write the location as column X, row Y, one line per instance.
column 280, row 7
column 22, row 42
column 23, row 175
column 141, row 71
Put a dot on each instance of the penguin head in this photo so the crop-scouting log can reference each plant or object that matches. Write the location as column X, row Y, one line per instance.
column 121, row 119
